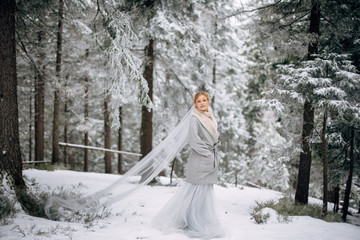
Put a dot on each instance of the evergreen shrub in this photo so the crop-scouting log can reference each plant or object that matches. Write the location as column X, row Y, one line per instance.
column 44, row 166
column 287, row 208
column 31, row 203
column 7, row 207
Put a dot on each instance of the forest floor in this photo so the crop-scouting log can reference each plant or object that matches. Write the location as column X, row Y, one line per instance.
column 131, row 218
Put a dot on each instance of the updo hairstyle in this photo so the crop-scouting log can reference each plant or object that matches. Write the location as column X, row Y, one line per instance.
column 198, row 94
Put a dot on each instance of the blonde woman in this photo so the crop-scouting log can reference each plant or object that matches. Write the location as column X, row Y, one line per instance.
column 192, row 209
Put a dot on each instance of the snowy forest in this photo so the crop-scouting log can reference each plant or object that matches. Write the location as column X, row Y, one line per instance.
column 283, row 76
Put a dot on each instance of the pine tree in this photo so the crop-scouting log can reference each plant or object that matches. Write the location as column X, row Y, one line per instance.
column 57, row 99
column 10, row 155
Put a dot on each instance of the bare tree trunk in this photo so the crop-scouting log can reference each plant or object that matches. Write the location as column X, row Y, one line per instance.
column 214, row 69
column 325, row 165
column 107, row 134
column 146, row 130
column 66, row 112
column 10, row 154
column 214, row 84
column 173, row 165
column 146, row 117
column 302, row 189
column 120, row 160
column 40, row 102
column 86, row 116
column 56, row 120
column 71, row 157
column 349, row 180
column 30, row 128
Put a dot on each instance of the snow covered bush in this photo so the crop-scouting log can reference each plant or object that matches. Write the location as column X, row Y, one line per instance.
column 7, row 206
column 285, row 208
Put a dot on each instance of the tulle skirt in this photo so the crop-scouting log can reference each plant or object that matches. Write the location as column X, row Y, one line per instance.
column 191, row 210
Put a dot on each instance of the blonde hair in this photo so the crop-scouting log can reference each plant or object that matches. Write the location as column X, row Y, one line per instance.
column 198, row 94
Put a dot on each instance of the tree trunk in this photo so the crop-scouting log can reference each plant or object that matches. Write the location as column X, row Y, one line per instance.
column 40, row 102
column 66, row 111
column 107, row 134
column 10, row 154
column 56, row 120
column 214, row 84
column 325, row 165
column 146, row 117
column 349, row 180
column 214, row 68
column 302, row 189
column 314, row 28
column 173, row 165
column 71, row 157
column 120, row 161
column 86, row 116
column 30, row 128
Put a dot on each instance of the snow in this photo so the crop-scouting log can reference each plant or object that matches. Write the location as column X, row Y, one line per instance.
column 131, row 218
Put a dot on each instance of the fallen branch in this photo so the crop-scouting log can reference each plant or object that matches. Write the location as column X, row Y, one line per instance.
column 98, row 149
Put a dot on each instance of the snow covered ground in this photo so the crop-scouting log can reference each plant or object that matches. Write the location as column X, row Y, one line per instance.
column 131, row 218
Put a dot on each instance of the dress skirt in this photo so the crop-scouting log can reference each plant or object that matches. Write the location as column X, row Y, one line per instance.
column 191, row 210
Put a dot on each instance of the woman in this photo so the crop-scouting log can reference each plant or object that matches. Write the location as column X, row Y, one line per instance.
column 192, row 209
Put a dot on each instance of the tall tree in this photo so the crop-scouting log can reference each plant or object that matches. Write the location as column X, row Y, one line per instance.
column 146, row 131
column 107, row 133
column 86, row 117
column 56, row 119
column 120, row 136
column 350, row 176
column 40, row 100
column 66, row 111
column 302, row 188
column 325, row 163
column 10, row 155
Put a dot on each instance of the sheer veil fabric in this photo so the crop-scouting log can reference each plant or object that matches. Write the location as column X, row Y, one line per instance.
column 145, row 170
column 191, row 210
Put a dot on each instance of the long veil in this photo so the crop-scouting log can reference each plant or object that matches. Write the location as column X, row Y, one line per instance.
column 147, row 169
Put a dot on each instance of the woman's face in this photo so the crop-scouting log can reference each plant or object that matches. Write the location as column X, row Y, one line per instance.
column 202, row 103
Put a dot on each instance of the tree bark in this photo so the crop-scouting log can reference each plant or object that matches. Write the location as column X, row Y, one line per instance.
column 10, row 154
column 56, row 120
column 86, row 116
column 314, row 28
column 302, row 189
column 325, row 165
column 40, row 102
column 214, row 68
column 349, row 180
column 30, row 128
column 66, row 111
column 146, row 116
column 107, row 134
column 214, row 83
column 120, row 160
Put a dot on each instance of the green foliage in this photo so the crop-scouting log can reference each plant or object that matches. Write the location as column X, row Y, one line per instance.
column 258, row 216
column 7, row 207
column 31, row 203
column 287, row 208
column 46, row 167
